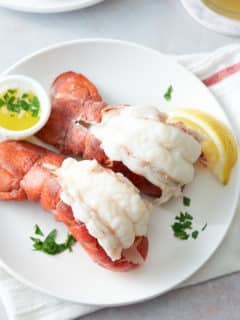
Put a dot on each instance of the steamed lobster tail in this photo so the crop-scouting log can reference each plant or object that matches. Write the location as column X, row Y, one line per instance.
column 76, row 105
column 91, row 246
column 27, row 173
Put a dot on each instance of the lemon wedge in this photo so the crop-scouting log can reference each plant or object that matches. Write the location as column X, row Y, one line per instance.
column 219, row 146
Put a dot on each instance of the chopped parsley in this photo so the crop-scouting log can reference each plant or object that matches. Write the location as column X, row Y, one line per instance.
column 38, row 230
column 195, row 234
column 186, row 201
column 204, row 227
column 49, row 244
column 183, row 224
column 15, row 102
column 168, row 94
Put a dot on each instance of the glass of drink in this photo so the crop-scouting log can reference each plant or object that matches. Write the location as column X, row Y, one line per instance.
column 219, row 15
column 228, row 8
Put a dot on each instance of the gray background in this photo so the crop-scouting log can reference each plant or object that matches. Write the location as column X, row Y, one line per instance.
column 163, row 25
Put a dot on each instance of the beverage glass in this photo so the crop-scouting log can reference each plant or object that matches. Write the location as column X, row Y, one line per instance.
column 228, row 8
column 219, row 15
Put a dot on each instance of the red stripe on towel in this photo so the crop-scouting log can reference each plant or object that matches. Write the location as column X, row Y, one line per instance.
column 222, row 75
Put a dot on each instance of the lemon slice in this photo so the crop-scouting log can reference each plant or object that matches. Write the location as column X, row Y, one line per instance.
column 219, row 145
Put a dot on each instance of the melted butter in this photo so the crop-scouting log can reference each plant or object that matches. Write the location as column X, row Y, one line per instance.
column 20, row 120
column 16, row 121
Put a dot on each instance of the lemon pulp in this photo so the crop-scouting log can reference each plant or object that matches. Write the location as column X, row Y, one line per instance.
column 218, row 145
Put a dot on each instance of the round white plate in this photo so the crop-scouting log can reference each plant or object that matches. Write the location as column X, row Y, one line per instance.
column 123, row 73
column 210, row 19
column 47, row 6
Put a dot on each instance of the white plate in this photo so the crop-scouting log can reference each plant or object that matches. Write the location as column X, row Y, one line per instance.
column 47, row 6
column 124, row 73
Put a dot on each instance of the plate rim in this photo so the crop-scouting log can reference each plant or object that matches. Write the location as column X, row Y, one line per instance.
column 54, row 9
column 237, row 192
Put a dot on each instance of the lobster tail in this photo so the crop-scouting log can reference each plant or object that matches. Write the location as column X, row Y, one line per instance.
column 28, row 173
column 76, row 105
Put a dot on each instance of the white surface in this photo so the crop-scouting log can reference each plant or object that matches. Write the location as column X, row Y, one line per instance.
column 214, row 300
column 157, row 24
column 164, row 22
column 210, row 19
column 47, row 6
column 103, row 63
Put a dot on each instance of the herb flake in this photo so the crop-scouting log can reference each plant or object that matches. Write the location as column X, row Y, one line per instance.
column 195, row 234
column 38, row 230
column 186, row 201
column 168, row 94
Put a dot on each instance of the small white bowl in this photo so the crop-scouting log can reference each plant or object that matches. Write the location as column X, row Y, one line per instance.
column 26, row 84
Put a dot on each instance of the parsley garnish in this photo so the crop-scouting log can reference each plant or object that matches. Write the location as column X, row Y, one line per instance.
column 49, row 244
column 38, row 230
column 168, row 93
column 12, row 91
column 186, row 201
column 15, row 102
column 182, row 227
column 195, row 234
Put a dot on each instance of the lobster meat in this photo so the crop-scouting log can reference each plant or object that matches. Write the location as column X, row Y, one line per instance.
column 27, row 173
column 76, row 105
